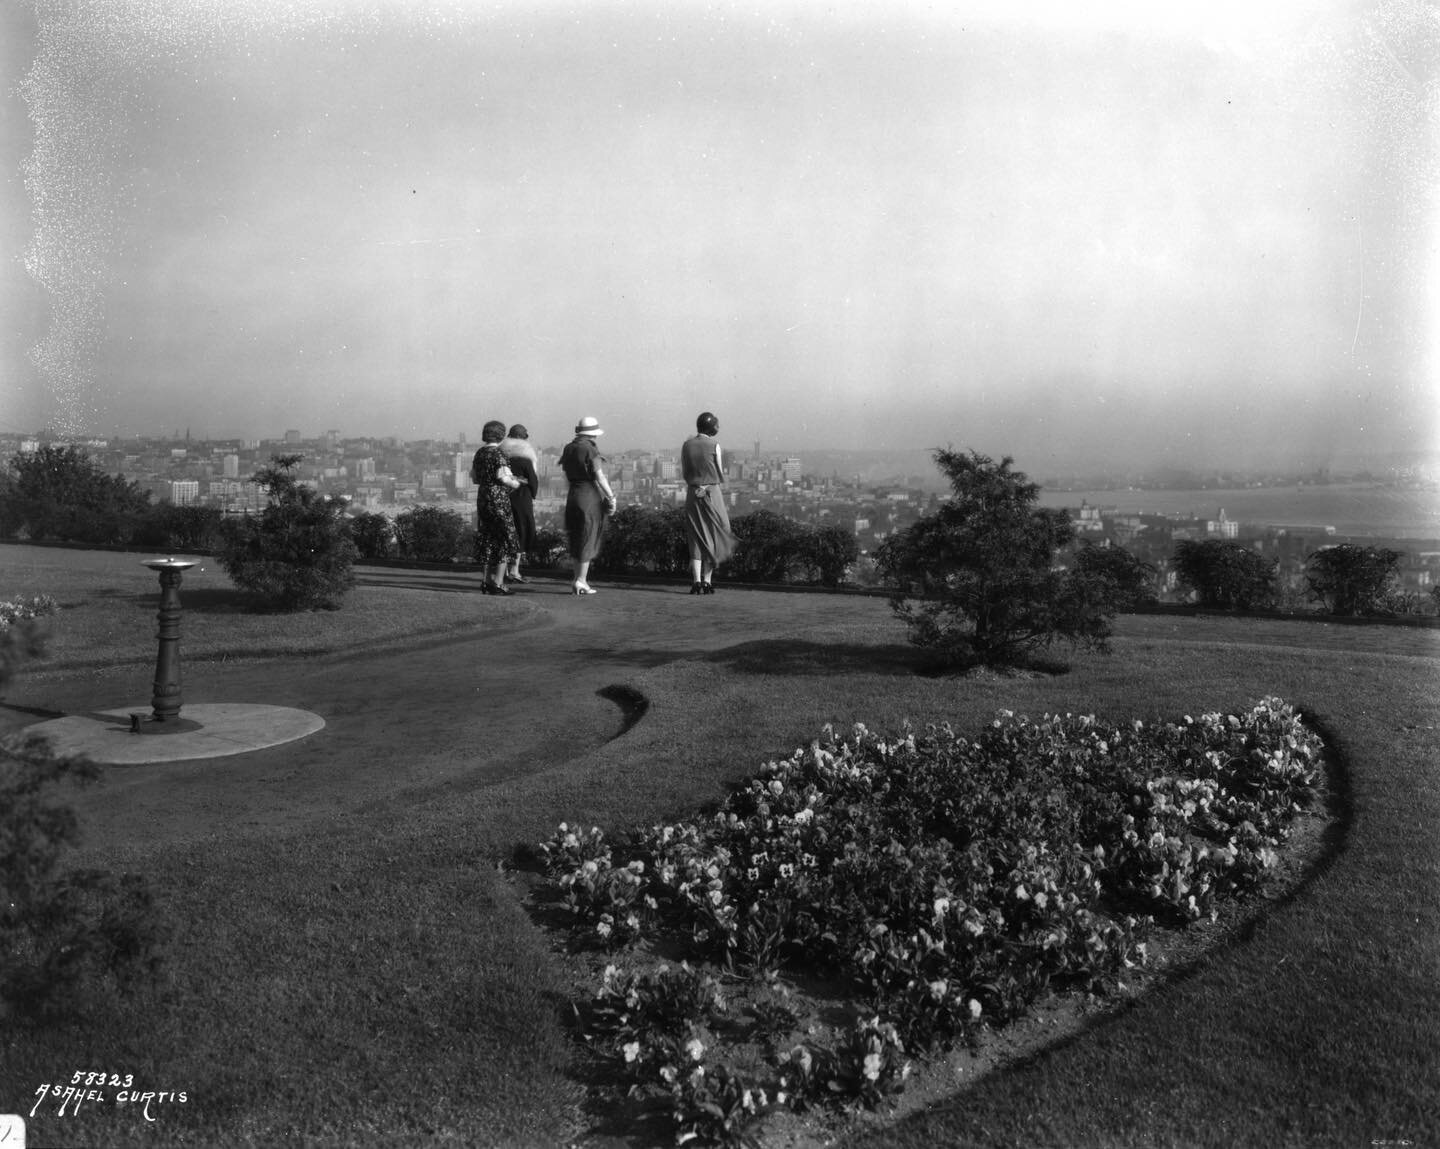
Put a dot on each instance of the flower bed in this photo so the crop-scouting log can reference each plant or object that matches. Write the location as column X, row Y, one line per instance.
column 944, row 884
column 19, row 609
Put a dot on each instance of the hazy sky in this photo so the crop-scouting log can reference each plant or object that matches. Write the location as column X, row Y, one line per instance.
column 1127, row 231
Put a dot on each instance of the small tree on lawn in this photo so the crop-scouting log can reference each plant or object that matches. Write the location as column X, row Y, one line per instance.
column 1225, row 574
column 297, row 553
column 976, row 581
column 1351, row 579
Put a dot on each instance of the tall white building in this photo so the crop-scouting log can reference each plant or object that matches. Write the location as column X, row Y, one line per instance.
column 184, row 492
column 462, row 470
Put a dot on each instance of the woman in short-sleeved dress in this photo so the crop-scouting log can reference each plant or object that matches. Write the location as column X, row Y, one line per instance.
column 495, row 541
column 589, row 502
column 707, row 521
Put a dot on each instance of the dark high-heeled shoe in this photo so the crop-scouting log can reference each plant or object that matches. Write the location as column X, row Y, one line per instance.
column 696, row 588
column 706, row 588
column 495, row 588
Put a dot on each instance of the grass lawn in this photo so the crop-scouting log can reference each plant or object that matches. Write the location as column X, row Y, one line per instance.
column 109, row 601
column 379, row 979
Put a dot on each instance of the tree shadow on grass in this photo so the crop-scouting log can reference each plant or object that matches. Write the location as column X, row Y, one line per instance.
column 894, row 660
column 931, row 665
column 819, row 659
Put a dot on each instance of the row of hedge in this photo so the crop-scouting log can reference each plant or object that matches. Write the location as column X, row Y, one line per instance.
column 59, row 493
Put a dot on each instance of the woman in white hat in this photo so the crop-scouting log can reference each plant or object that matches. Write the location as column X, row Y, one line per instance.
column 589, row 502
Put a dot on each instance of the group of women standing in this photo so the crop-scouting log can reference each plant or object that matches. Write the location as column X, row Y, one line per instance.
column 504, row 474
column 504, row 471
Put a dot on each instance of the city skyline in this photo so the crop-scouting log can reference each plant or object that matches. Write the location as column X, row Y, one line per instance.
column 1203, row 235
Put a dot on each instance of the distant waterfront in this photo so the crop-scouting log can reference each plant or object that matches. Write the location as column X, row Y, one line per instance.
column 1351, row 508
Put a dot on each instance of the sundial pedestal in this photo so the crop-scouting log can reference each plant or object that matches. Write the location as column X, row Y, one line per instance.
column 166, row 701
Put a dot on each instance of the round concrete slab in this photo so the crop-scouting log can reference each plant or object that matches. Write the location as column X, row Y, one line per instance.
column 204, row 730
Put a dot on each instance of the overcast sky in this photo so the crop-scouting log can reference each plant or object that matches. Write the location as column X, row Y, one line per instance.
column 1138, row 231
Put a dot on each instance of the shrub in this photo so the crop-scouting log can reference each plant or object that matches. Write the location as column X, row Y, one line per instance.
column 1131, row 579
column 13, row 610
column 829, row 552
column 1227, row 575
column 549, row 548
column 373, row 535
column 297, row 553
column 770, row 548
column 976, row 581
column 60, row 928
column 428, row 534
column 190, row 528
column 58, row 492
column 644, row 540
column 1351, row 579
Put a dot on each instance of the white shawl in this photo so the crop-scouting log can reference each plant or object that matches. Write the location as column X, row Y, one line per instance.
column 519, row 448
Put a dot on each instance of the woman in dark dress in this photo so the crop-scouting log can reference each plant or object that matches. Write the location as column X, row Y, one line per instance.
column 707, row 522
column 495, row 542
column 522, row 459
column 589, row 502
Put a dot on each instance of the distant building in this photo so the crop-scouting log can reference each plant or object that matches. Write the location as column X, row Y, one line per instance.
column 1088, row 519
column 1223, row 527
column 790, row 469
column 462, row 470
column 230, row 466
column 292, row 438
column 183, row 492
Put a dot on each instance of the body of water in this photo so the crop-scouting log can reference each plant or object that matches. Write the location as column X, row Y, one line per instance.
column 1351, row 508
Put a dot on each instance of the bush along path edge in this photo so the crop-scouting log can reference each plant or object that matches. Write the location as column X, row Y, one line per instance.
column 871, row 902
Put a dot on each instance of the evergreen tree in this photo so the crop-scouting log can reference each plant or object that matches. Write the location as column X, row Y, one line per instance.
column 297, row 553
column 977, row 580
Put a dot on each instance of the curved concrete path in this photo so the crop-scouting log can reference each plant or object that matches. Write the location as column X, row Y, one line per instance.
column 403, row 721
